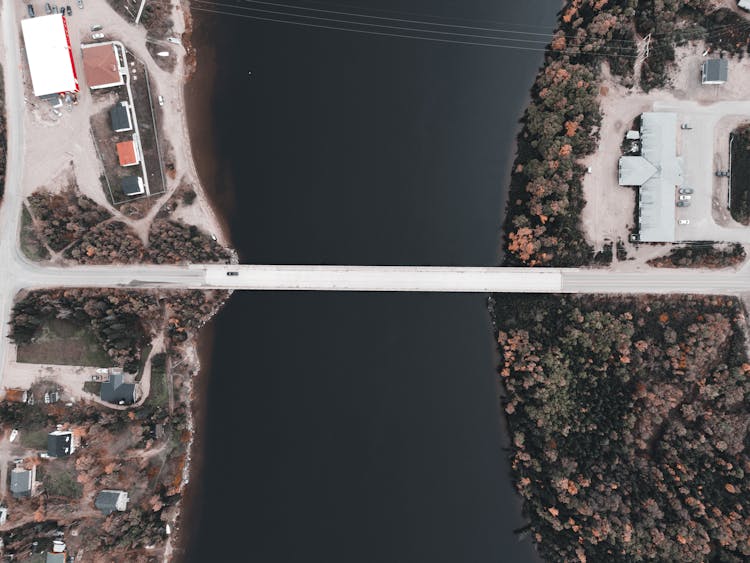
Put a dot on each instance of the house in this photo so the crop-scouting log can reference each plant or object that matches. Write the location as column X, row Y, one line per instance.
column 108, row 501
column 101, row 65
column 22, row 481
column 16, row 395
column 49, row 54
column 657, row 171
column 127, row 153
column 55, row 557
column 714, row 71
column 744, row 4
column 119, row 116
column 116, row 391
column 132, row 185
column 60, row 443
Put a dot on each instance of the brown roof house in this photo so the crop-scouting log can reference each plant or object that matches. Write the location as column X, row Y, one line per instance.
column 127, row 153
column 101, row 65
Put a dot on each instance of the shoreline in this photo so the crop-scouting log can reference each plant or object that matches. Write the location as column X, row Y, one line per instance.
column 202, row 158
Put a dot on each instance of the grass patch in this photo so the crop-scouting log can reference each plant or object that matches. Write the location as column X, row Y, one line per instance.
column 739, row 202
column 62, row 483
column 145, row 353
column 62, row 342
column 93, row 387
column 158, row 396
column 32, row 247
column 34, row 439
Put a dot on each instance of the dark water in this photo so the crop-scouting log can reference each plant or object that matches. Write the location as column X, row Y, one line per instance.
column 357, row 427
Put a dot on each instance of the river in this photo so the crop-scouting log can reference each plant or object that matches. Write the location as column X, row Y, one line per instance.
column 357, row 427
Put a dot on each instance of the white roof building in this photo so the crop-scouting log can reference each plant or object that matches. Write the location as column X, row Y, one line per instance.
column 49, row 54
column 658, row 171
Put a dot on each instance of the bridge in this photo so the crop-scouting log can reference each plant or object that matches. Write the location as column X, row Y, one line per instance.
column 447, row 279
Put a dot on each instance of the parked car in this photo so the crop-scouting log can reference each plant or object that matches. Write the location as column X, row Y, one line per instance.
column 97, row 36
column 684, row 197
column 96, row 27
column 686, row 190
column 80, row 4
column 683, row 204
column 54, row 9
column 685, row 126
column 161, row 100
column 68, row 10
column 30, row 10
column 13, row 435
column 683, row 222
column 47, row 8
column 233, row 273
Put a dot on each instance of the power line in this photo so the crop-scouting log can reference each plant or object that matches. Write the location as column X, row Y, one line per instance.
column 368, row 16
column 402, row 35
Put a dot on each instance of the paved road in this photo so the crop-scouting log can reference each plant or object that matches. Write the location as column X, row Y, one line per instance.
column 17, row 272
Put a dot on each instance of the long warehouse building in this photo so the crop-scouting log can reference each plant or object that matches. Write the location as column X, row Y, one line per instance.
column 49, row 54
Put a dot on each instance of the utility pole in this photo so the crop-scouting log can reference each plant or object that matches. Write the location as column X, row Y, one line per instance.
column 140, row 11
column 644, row 48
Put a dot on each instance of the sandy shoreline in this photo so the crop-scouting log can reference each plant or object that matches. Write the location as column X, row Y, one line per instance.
column 200, row 152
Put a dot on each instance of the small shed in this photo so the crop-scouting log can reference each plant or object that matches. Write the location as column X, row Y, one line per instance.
column 715, row 71
column 22, row 481
column 127, row 153
column 119, row 115
column 109, row 501
column 132, row 185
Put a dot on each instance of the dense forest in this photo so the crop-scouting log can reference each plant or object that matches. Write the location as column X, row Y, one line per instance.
column 629, row 421
column 560, row 125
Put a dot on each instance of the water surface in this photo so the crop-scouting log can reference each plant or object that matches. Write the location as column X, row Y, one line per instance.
column 357, row 427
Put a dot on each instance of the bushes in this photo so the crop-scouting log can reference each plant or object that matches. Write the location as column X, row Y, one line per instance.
column 703, row 255
column 108, row 243
column 66, row 216
column 173, row 242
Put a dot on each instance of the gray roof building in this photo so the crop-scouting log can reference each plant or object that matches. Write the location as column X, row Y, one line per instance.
column 21, row 482
column 60, row 443
column 132, row 185
column 108, row 501
column 657, row 172
column 116, row 391
column 715, row 71
column 119, row 115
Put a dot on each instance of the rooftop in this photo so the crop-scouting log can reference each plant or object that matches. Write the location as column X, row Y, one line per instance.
column 49, row 54
column 658, row 171
column 110, row 500
column 21, row 481
column 101, row 65
column 60, row 443
column 715, row 71
column 116, row 391
column 127, row 154
column 119, row 115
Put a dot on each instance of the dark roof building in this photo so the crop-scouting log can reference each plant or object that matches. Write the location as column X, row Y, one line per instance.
column 60, row 443
column 108, row 501
column 119, row 115
column 132, row 185
column 21, row 481
column 117, row 392
column 715, row 71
